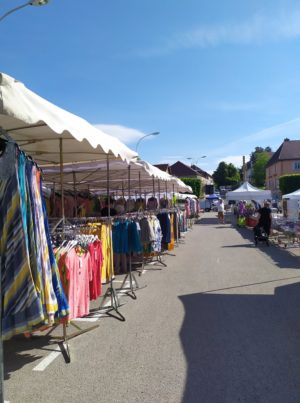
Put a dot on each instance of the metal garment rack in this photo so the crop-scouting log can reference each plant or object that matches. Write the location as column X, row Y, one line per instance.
column 111, row 292
column 64, row 339
column 133, row 284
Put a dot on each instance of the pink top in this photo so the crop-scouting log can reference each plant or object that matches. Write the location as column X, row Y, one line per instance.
column 79, row 275
column 95, row 250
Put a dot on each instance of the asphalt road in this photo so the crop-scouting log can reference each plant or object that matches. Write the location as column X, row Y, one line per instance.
column 221, row 323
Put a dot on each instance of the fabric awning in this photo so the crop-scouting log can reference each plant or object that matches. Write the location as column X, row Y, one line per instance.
column 92, row 176
column 37, row 125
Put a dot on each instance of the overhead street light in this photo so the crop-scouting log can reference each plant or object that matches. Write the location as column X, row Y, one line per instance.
column 195, row 159
column 29, row 3
column 142, row 138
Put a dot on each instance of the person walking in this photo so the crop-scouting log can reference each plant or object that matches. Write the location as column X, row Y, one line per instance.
column 221, row 210
column 265, row 217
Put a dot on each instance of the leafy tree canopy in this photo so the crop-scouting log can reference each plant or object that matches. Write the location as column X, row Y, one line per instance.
column 259, row 150
column 226, row 175
column 259, row 168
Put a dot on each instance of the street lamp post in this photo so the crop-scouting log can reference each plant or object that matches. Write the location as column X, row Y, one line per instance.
column 142, row 138
column 29, row 3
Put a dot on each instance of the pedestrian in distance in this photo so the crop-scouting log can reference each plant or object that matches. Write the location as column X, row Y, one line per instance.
column 265, row 217
column 221, row 210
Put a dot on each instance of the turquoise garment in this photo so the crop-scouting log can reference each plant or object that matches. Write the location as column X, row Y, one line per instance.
column 23, row 193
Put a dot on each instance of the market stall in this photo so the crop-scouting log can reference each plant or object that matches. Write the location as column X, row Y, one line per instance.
column 291, row 205
column 41, row 132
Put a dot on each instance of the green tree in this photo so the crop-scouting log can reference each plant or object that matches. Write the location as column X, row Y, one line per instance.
column 226, row 174
column 257, row 151
column 259, row 168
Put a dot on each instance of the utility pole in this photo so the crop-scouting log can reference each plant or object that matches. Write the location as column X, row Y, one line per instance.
column 244, row 169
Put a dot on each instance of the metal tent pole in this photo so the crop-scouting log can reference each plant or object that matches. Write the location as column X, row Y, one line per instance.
column 158, row 192
column 61, row 161
column 110, row 292
column 166, row 190
column 75, row 193
column 133, row 284
column 153, row 186
column 123, row 193
column 53, row 200
column 140, row 190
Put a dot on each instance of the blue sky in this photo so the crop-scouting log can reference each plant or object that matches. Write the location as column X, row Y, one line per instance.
column 214, row 77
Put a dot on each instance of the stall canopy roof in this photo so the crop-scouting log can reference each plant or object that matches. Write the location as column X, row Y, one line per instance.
column 294, row 195
column 248, row 192
column 37, row 125
column 93, row 176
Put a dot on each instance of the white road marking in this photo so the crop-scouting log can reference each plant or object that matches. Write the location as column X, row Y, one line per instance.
column 48, row 360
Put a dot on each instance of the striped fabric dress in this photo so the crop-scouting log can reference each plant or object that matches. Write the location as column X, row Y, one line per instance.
column 21, row 307
column 50, row 302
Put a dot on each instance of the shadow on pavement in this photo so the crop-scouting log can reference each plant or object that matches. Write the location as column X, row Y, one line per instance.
column 242, row 348
column 244, row 245
column 281, row 257
column 20, row 351
column 207, row 221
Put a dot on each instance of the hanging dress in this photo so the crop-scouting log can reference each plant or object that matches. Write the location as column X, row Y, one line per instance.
column 21, row 306
column 51, row 304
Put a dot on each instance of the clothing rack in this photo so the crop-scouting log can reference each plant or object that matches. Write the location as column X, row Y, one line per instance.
column 133, row 283
column 111, row 291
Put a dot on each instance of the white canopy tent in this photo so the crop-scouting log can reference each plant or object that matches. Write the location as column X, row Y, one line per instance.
column 294, row 195
column 248, row 192
column 44, row 131
column 292, row 201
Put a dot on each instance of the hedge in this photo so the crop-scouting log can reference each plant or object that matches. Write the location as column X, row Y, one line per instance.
column 289, row 183
column 195, row 184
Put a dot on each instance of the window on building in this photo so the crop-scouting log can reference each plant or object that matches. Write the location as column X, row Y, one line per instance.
column 297, row 165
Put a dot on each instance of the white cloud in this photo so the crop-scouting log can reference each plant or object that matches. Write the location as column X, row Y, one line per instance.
column 271, row 136
column 126, row 134
column 257, row 30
